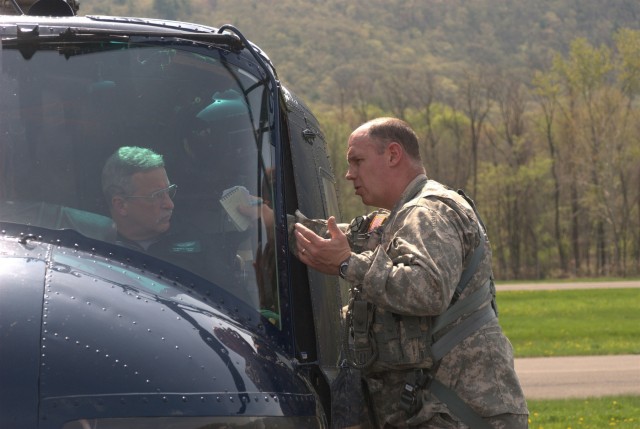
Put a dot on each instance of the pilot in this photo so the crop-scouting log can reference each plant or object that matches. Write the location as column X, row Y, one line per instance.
column 140, row 198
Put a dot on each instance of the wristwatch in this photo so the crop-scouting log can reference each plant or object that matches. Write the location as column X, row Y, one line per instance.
column 343, row 267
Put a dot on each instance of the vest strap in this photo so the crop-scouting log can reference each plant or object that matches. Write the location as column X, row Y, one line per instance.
column 457, row 406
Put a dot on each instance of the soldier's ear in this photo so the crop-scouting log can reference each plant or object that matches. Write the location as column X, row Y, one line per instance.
column 394, row 153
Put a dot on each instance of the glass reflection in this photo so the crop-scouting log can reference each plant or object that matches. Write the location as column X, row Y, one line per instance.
column 63, row 116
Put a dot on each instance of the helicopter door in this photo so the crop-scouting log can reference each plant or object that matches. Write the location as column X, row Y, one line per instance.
column 316, row 194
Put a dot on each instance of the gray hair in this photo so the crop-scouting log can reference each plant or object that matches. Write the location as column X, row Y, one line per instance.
column 124, row 163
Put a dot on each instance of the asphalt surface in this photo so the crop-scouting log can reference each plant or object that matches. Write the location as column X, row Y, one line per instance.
column 578, row 376
column 573, row 285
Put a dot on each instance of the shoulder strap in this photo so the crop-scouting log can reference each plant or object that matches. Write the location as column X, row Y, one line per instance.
column 441, row 346
column 470, row 270
column 468, row 305
column 473, row 206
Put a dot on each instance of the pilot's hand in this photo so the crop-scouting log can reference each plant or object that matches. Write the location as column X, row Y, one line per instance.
column 253, row 212
column 322, row 254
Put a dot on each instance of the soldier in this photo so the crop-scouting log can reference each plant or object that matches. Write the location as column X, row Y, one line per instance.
column 424, row 331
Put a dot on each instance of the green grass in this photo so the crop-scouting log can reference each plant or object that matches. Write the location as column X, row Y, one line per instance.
column 571, row 280
column 571, row 322
column 620, row 412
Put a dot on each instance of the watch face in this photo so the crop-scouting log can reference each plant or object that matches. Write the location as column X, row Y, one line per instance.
column 343, row 269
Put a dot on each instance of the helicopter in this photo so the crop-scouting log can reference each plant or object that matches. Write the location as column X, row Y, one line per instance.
column 94, row 334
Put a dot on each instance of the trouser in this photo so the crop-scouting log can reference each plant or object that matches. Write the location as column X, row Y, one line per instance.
column 445, row 421
column 385, row 390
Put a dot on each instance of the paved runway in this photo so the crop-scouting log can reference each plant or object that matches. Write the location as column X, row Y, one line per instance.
column 568, row 285
column 579, row 376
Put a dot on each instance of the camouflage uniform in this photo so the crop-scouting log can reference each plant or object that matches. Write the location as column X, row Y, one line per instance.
column 410, row 267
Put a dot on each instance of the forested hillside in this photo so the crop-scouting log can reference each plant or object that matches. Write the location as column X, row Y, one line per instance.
column 531, row 106
column 321, row 46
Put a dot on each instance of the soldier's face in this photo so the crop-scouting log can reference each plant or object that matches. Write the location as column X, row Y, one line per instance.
column 368, row 169
column 142, row 217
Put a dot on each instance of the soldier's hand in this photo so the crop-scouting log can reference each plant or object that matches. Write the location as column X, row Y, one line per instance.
column 322, row 254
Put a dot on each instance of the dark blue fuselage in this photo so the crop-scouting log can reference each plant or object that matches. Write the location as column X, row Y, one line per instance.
column 96, row 334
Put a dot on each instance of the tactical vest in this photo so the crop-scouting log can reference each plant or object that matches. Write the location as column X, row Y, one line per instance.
column 384, row 340
column 381, row 339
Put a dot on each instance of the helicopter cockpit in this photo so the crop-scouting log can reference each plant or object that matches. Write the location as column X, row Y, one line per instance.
column 65, row 107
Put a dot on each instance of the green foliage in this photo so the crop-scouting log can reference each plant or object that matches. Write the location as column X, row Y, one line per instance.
column 628, row 45
column 619, row 412
column 571, row 322
column 312, row 41
column 587, row 68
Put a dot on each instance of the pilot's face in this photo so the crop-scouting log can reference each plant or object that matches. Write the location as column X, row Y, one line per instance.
column 368, row 169
column 140, row 215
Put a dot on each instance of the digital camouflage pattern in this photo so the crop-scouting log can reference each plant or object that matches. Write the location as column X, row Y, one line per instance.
column 411, row 268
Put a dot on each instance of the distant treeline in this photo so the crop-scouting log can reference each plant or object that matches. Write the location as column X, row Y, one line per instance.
column 553, row 163
column 530, row 106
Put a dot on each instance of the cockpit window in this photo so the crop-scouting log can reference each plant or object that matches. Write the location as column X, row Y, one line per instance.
column 162, row 147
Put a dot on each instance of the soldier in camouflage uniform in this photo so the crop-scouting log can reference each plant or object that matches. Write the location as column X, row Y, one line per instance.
column 404, row 271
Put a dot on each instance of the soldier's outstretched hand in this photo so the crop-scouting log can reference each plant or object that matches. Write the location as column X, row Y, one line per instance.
column 322, row 254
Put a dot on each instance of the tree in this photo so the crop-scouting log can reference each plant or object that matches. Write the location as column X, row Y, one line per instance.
column 546, row 93
column 475, row 98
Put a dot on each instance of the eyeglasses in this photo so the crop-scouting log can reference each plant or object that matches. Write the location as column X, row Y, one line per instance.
column 158, row 195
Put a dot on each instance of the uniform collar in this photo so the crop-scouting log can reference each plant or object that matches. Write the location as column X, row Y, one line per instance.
column 412, row 190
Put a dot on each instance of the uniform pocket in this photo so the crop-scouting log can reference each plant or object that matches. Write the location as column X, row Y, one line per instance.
column 401, row 340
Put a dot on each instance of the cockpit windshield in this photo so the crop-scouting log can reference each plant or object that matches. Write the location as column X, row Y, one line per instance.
column 160, row 146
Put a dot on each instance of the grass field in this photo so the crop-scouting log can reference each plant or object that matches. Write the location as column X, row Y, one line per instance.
column 621, row 412
column 571, row 322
